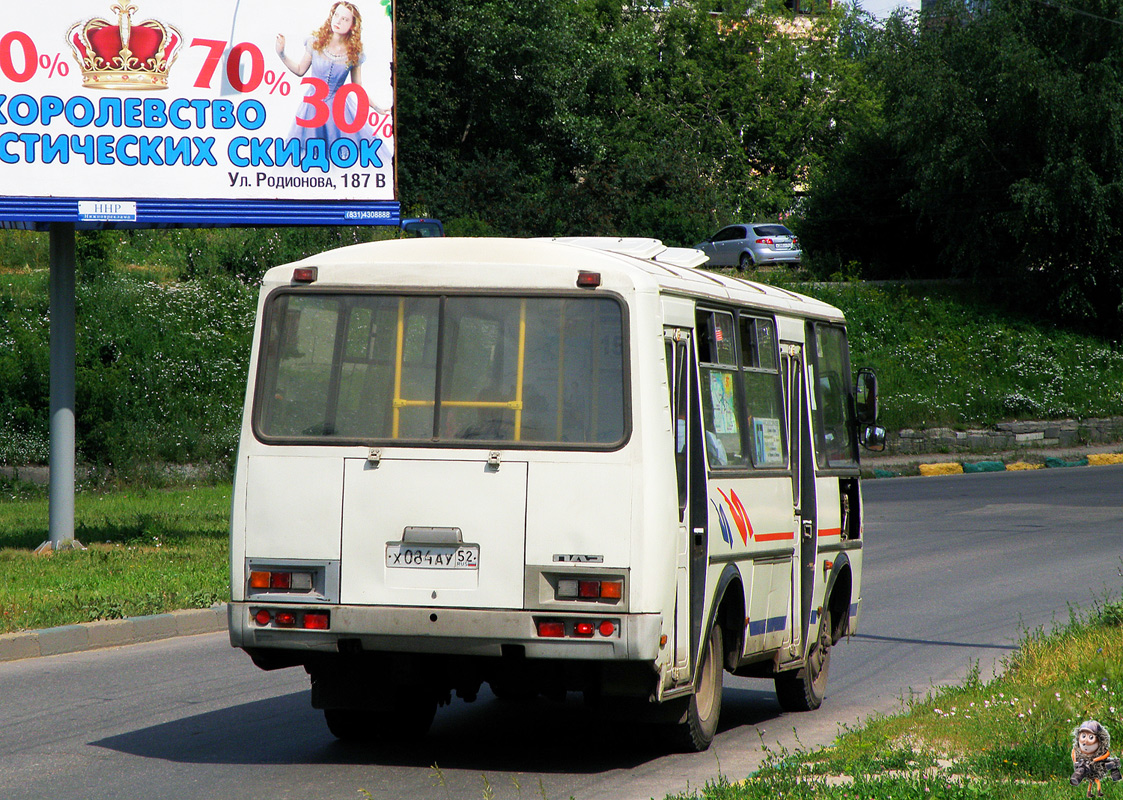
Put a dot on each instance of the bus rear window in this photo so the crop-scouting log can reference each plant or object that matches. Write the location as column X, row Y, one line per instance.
column 456, row 369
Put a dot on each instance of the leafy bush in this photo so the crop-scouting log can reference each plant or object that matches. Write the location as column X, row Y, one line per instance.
column 161, row 369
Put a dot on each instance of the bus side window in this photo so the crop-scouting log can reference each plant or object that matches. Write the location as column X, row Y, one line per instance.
column 764, row 399
column 720, row 389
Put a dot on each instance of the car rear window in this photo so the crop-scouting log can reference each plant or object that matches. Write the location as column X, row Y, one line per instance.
column 771, row 230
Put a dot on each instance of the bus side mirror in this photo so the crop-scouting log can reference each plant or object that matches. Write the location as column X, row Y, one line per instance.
column 872, row 437
column 865, row 396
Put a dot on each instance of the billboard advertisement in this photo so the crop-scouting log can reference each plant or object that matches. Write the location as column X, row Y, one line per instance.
column 210, row 111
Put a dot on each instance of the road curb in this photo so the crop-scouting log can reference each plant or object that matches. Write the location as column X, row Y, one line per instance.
column 973, row 467
column 111, row 633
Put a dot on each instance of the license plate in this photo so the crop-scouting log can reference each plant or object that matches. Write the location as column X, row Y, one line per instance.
column 429, row 556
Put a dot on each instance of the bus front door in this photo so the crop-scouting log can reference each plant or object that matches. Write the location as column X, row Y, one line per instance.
column 690, row 542
column 803, row 497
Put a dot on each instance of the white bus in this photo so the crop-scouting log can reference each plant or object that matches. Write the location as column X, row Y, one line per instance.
column 547, row 466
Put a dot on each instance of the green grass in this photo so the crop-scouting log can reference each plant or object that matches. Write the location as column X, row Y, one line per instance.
column 945, row 359
column 149, row 551
column 1006, row 738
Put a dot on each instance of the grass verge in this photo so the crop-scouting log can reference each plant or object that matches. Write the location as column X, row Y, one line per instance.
column 149, row 551
column 1005, row 738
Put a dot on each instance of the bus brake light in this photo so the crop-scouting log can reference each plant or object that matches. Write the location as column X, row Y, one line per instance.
column 551, row 629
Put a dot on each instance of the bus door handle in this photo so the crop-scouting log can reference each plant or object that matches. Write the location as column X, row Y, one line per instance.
column 698, row 536
column 808, row 529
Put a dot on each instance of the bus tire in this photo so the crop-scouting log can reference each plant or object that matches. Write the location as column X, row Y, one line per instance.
column 696, row 729
column 805, row 688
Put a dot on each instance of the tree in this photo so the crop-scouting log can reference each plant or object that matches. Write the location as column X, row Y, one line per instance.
column 1001, row 134
column 606, row 118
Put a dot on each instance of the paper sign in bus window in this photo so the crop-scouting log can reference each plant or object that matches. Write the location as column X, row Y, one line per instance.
column 721, row 397
column 768, row 442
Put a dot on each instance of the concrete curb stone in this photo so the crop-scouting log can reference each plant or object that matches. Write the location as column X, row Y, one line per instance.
column 111, row 633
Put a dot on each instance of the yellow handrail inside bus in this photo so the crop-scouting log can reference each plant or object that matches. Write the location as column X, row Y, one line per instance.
column 515, row 405
column 400, row 348
column 561, row 367
column 519, row 373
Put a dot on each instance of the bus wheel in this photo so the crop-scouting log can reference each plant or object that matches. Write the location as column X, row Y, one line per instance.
column 696, row 729
column 805, row 688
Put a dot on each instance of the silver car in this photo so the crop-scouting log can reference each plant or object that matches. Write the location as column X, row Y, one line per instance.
column 754, row 245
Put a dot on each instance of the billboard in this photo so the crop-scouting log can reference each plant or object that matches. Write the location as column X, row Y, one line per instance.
column 209, row 112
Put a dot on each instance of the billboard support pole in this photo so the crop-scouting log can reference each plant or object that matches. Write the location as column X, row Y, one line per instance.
column 62, row 303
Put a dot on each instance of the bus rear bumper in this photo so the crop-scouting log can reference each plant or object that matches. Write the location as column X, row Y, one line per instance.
column 446, row 631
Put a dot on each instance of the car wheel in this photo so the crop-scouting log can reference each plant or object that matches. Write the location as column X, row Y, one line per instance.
column 746, row 262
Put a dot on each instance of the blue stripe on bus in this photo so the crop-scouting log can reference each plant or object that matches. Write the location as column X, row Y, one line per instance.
column 759, row 627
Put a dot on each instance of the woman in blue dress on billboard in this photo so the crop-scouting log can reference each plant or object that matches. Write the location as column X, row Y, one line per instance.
column 332, row 53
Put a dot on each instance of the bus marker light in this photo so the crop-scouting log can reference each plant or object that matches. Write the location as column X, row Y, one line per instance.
column 305, row 274
column 588, row 589
column 552, row 630
column 583, row 629
column 286, row 619
column 316, row 622
column 263, row 617
column 588, row 280
column 607, row 628
column 612, row 590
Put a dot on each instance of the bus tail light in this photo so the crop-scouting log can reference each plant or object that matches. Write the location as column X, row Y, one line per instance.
column 278, row 580
column 285, row 618
column 589, row 589
column 577, row 629
column 551, row 629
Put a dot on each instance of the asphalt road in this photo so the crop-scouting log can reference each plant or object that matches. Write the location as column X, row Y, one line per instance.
column 957, row 568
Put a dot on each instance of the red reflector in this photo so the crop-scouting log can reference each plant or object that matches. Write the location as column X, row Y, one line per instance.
column 607, row 628
column 583, row 629
column 554, row 630
column 280, row 580
column 588, row 280
column 588, row 589
column 316, row 622
column 263, row 617
column 286, row 619
column 305, row 274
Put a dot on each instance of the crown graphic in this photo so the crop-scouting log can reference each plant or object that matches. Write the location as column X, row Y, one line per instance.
column 124, row 55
